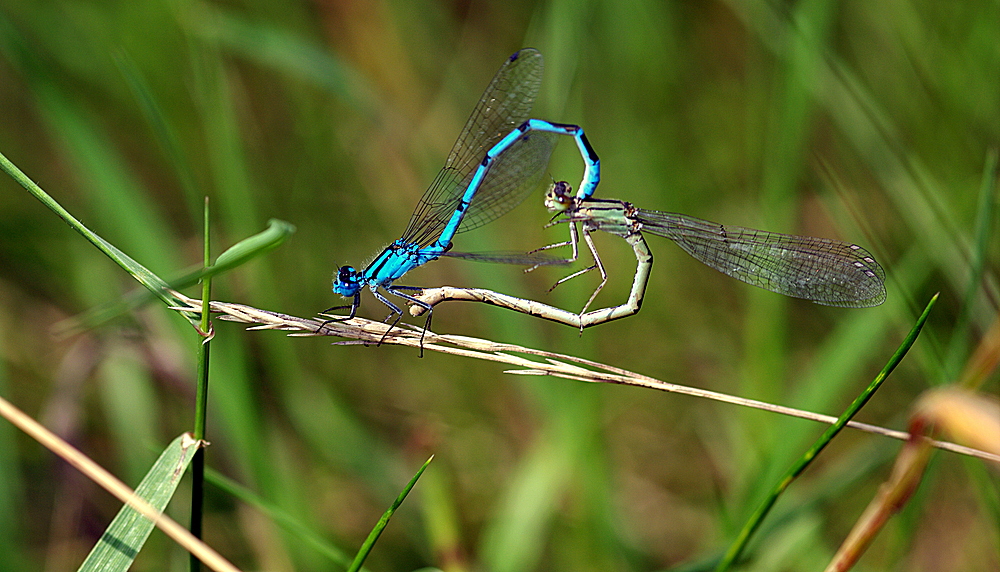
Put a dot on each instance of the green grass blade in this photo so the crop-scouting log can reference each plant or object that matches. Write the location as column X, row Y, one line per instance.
column 275, row 233
column 151, row 281
column 240, row 253
column 369, row 542
column 124, row 537
column 736, row 549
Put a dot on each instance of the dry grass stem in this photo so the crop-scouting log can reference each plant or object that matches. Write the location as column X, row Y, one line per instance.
column 368, row 332
column 113, row 485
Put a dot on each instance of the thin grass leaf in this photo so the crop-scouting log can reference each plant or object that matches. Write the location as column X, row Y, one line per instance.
column 276, row 233
column 369, row 542
column 151, row 281
column 240, row 253
column 736, row 549
column 963, row 415
column 109, row 482
column 270, row 238
column 121, row 542
column 360, row 331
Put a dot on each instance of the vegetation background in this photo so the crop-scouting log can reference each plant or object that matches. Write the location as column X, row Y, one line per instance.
column 869, row 122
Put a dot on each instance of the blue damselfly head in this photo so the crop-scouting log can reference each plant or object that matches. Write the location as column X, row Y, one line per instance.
column 348, row 281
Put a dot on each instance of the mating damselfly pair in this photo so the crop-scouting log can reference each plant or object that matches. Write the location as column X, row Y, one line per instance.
column 500, row 157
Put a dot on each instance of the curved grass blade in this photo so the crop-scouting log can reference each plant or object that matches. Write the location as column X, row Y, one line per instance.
column 240, row 253
column 736, row 549
column 274, row 235
column 369, row 542
column 124, row 537
column 110, row 483
column 151, row 281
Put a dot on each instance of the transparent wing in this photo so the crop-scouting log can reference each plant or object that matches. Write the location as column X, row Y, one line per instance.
column 518, row 257
column 505, row 104
column 511, row 178
column 826, row 271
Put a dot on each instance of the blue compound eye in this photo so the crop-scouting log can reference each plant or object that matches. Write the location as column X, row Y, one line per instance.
column 347, row 282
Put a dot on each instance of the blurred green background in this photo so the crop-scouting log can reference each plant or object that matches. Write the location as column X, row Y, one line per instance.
column 871, row 122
